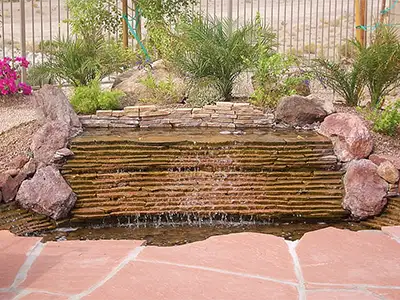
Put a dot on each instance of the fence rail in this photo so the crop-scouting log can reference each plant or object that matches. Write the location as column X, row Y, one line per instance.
column 305, row 27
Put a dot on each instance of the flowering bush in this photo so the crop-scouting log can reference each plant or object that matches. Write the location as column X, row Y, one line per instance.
column 10, row 72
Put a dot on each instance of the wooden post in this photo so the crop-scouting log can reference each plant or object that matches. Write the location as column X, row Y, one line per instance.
column 124, row 23
column 361, row 16
column 382, row 16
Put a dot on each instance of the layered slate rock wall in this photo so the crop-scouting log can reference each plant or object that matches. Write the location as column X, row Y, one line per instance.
column 259, row 175
column 223, row 114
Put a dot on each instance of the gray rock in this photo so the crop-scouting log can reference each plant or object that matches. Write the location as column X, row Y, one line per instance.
column 299, row 111
column 326, row 103
column 47, row 193
column 131, row 82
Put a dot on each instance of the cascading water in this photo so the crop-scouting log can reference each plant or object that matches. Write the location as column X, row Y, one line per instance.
column 203, row 176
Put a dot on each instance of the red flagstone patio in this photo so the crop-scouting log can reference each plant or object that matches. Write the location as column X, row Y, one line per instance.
column 328, row 264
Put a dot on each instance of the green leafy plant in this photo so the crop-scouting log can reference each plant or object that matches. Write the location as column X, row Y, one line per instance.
column 379, row 64
column 89, row 17
column 165, row 11
column 88, row 99
column 344, row 80
column 386, row 121
column 160, row 40
column 161, row 92
column 79, row 61
column 214, row 50
column 273, row 79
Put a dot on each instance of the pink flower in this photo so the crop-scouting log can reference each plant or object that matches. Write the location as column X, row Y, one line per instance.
column 25, row 88
column 10, row 74
column 23, row 61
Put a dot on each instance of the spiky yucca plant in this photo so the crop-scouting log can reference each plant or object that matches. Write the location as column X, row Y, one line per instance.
column 215, row 50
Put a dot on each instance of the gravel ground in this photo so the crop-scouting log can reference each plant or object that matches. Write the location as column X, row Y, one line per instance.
column 15, row 111
column 19, row 121
column 16, row 141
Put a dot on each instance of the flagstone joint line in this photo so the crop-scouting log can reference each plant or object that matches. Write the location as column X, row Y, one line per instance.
column 32, row 255
column 130, row 257
column 246, row 275
column 297, row 269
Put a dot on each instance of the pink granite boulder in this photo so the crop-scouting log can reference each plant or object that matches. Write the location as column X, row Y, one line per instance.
column 299, row 111
column 365, row 189
column 380, row 158
column 388, row 172
column 49, row 138
column 47, row 193
column 55, row 106
column 350, row 137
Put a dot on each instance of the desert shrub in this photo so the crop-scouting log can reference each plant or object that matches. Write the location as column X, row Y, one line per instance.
column 87, row 99
column 203, row 92
column 161, row 92
column 89, row 17
column 161, row 16
column 272, row 71
column 273, row 79
column 168, row 11
column 386, row 121
column 215, row 50
column 380, row 64
column 344, row 80
column 79, row 61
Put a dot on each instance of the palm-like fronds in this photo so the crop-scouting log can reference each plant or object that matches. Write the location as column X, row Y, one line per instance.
column 78, row 61
column 211, row 49
column 380, row 64
column 346, row 81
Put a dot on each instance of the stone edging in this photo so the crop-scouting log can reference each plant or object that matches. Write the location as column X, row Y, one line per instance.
column 222, row 114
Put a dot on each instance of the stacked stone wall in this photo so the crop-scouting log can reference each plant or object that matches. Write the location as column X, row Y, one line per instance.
column 222, row 114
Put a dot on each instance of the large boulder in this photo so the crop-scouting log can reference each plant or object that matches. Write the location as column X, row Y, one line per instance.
column 365, row 190
column 50, row 137
column 55, row 106
column 350, row 137
column 47, row 193
column 388, row 172
column 299, row 111
column 131, row 82
column 380, row 158
column 326, row 103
